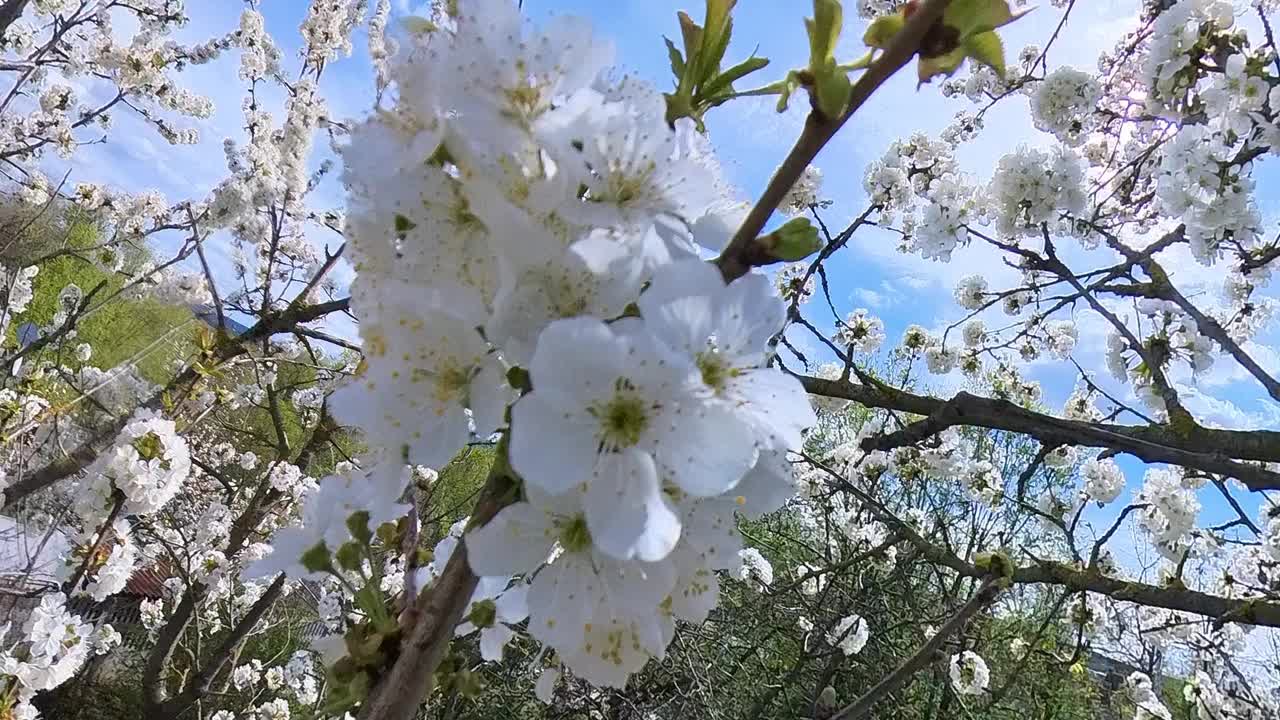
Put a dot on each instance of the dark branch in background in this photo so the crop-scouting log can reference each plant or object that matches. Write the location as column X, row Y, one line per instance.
column 1171, row 597
column 1208, row 326
column 1206, row 449
column 265, row 499
column 198, row 240
column 901, row 677
column 10, row 11
column 199, row 686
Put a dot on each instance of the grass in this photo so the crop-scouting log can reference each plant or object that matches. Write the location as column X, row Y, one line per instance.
column 119, row 331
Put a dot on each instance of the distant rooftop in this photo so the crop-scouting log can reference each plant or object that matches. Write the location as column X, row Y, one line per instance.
column 209, row 314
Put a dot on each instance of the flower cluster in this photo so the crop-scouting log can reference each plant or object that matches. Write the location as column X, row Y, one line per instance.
column 969, row 673
column 805, row 193
column 17, row 293
column 55, row 645
column 1103, row 479
column 861, row 332
column 1170, row 511
column 1031, row 187
column 1179, row 35
column 505, row 214
column 1064, row 104
column 147, row 466
column 849, row 635
column 1198, row 182
column 137, row 476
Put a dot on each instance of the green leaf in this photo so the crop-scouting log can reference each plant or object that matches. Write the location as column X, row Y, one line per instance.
column 358, row 525
column 717, row 20
column 971, row 17
column 831, row 89
column 691, row 32
column 861, row 63
column 945, row 64
column 715, row 35
column 349, row 556
column 316, row 559
column 883, row 29
column 677, row 60
column 404, row 225
column 725, row 80
column 484, row 613
column 824, row 31
column 713, row 51
column 783, row 88
column 796, row 240
column 987, row 49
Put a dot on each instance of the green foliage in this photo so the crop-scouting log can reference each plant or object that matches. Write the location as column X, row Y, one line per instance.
column 796, row 240
column 966, row 30
column 118, row 697
column 122, row 330
column 453, row 494
column 701, row 84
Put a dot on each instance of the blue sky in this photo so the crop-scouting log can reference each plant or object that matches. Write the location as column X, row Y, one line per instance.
column 751, row 138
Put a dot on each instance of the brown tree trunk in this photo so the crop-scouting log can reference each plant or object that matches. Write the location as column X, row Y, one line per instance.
column 10, row 10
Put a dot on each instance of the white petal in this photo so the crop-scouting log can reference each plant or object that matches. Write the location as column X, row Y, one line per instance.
column 547, row 451
column 707, row 449
column 545, row 688
column 618, row 270
column 517, row 540
column 695, row 596
column 750, row 314
column 489, row 397
column 561, row 596
column 438, row 437
column 714, row 229
column 490, row 587
column 512, row 606
column 681, row 279
column 577, row 361
column 633, row 588
column 627, row 513
column 767, row 486
column 685, row 325
column 493, row 640
column 779, row 405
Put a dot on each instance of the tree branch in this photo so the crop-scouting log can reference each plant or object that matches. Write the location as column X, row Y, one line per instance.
column 901, row 677
column 1207, row 449
column 743, row 252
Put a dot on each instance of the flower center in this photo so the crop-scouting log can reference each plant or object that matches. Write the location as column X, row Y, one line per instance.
column 449, row 385
column 568, row 298
column 716, row 370
column 574, row 535
column 623, row 417
column 628, row 186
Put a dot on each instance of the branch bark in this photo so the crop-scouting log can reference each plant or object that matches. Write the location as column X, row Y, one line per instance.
column 436, row 613
column 1210, row 450
column 743, row 252
column 10, row 11
column 901, row 677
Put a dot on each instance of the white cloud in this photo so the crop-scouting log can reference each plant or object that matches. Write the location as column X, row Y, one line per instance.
column 868, row 297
